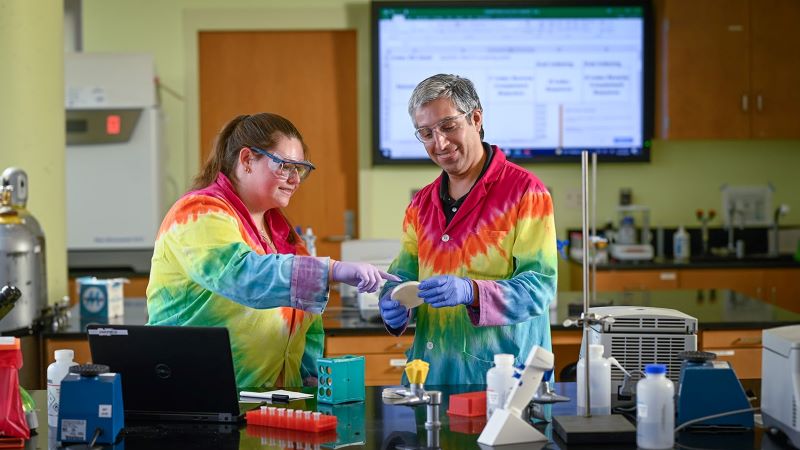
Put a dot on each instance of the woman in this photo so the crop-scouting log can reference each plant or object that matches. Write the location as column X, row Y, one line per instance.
column 225, row 255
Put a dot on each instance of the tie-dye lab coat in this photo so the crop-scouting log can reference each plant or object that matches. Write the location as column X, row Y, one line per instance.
column 211, row 268
column 503, row 236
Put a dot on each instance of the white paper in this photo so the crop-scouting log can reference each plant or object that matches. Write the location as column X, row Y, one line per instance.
column 257, row 396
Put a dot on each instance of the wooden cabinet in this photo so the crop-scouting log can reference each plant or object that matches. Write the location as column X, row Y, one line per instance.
column 782, row 288
column 566, row 349
column 384, row 356
column 627, row 280
column 778, row 286
column 135, row 287
column 746, row 281
column 80, row 346
column 741, row 348
column 727, row 70
column 775, row 69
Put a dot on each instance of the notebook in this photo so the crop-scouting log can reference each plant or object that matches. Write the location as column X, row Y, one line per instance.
column 170, row 373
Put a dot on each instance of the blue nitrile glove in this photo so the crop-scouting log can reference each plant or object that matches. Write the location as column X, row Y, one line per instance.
column 366, row 277
column 446, row 290
column 393, row 313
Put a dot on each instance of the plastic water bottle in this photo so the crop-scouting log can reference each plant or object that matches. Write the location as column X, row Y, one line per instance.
column 681, row 248
column 55, row 373
column 311, row 241
column 499, row 382
column 655, row 409
column 599, row 382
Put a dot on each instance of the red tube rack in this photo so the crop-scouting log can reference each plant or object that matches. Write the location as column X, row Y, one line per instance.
column 292, row 419
column 283, row 438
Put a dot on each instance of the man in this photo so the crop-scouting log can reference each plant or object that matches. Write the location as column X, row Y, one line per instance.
column 482, row 239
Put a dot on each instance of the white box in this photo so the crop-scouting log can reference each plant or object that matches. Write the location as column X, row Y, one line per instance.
column 101, row 299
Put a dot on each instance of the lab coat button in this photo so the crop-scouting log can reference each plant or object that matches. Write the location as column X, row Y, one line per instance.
column 429, row 345
column 445, row 238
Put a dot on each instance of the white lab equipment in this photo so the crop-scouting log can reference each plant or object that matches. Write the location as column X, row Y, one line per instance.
column 629, row 247
column 509, row 425
column 114, row 185
column 780, row 386
column 378, row 252
column 655, row 409
column 499, row 382
column 641, row 335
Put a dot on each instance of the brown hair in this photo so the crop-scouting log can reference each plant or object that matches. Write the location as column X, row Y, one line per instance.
column 260, row 130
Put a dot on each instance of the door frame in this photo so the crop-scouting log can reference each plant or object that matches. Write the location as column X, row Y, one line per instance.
column 350, row 17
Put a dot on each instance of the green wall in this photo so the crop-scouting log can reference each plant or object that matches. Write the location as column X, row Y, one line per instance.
column 32, row 118
column 681, row 177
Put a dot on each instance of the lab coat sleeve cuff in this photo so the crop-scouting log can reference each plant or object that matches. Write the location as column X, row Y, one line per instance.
column 309, row 288
column 491, row 309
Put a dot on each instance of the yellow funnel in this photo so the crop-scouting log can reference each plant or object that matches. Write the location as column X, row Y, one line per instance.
column 417, row 371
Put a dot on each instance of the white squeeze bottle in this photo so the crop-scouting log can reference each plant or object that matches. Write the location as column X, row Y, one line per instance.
column 681, row 247
column 599, row 382
column 655, row 409
column 55, row 373
column 499, row 381
column 311, row 241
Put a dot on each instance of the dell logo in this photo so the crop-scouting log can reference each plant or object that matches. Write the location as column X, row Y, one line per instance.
column 163, row 371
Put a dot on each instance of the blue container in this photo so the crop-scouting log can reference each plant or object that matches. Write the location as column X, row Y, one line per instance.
column 88, row 404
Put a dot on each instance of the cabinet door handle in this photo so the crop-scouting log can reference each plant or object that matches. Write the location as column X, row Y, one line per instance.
column 398, row 362
column 759, row 103
column 745, row 101
column 746, row 341
column 668, row 276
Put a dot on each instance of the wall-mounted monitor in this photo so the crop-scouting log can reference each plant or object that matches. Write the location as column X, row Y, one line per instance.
column 554, row 77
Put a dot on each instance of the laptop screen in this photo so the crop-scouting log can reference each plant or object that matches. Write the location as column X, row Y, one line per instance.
column 170, row 373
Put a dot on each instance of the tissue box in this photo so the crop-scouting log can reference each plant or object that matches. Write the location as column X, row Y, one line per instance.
column 100, row 299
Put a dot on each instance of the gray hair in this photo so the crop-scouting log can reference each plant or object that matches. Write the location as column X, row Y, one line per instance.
column 459, row 90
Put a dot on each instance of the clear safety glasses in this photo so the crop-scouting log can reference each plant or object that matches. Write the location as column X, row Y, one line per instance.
column 284, row 168
column 445, row 127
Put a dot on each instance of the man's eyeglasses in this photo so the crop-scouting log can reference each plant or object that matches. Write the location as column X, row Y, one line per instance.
column 445, row 127
column 283, row 168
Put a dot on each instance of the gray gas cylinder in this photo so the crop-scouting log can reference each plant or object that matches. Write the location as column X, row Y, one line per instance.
column 18, row 180
column 21, row 265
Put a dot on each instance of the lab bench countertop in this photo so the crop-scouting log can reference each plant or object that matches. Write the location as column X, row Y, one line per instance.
column 715, row 309
column 373, row 425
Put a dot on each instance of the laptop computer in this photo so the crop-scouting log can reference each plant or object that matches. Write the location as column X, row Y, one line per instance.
column 170, row 373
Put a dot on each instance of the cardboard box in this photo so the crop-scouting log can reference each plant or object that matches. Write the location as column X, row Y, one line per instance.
column 100, row 299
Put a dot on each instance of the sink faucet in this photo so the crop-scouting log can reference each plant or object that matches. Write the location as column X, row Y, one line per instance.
column 733, row 211
column 773, row 245
column 704, row 219
column 416, row 395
